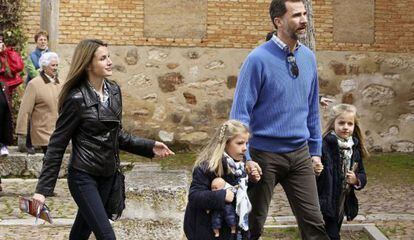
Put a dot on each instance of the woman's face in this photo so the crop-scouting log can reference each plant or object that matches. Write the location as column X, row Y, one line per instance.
column 101, row 65
column 41, row 42
column 52, row 68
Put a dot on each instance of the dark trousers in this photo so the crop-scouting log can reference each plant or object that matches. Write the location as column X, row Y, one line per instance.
column 295, row 173
column 5, row 125
column 90, row 194
column 28, row 136
column 44, row 149
column 333, row 227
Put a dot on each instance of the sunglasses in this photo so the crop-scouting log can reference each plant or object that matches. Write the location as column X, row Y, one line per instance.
column 294, row 69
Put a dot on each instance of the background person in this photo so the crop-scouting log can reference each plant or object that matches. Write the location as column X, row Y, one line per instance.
column 40, row 103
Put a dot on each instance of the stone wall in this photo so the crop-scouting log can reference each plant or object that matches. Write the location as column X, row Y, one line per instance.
column 179, row 95
column 340, row 25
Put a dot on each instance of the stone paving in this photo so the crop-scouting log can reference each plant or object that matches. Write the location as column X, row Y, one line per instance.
column 390, row 207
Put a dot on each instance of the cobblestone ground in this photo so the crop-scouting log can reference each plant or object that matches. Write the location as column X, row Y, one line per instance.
column 378, row 201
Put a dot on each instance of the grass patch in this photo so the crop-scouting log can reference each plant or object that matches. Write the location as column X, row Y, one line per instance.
column 393, row 168
column 178, row 161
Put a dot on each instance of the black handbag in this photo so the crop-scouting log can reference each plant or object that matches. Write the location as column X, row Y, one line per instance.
column 116, row 200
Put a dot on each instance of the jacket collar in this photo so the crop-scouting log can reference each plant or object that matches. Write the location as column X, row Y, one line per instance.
column 105, row 113
column 46, row 78
column 90, row 96
column 331, row 139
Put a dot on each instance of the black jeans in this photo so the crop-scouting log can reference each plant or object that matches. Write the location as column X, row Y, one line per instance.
column 294, row 172
column 90, row 194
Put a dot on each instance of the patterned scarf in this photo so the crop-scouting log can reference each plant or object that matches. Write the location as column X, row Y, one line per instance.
column 236, row 168
column 345, row 152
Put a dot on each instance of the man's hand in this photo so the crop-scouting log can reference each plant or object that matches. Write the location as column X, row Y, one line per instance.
column 325, row 102
column 317, row 165
column 161, row 150
column 253, row 170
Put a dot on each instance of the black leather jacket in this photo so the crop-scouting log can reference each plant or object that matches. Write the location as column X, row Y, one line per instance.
column 96, row 134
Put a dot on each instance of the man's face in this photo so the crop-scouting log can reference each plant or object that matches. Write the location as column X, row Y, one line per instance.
column 292, row 24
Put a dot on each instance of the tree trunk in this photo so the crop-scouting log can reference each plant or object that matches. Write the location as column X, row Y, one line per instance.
column 49, row 20
column 309, row 40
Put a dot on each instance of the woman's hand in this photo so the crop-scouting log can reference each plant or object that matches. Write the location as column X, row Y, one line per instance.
column 39, row 197
column 229, row 196
column 161, row 150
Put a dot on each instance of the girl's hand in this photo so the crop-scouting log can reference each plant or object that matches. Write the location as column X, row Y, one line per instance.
column 254, row 175
column 229, row 196
column 253, row 170
column 39, row 197
column 317, row 165
column 161, row 150
column 351, row 178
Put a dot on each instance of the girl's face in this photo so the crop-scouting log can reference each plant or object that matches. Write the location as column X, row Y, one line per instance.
column 237, row 146
column 345, row 124
column 41, row 42
column 101, row 65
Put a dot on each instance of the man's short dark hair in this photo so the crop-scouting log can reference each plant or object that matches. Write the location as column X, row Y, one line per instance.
column 277, row 8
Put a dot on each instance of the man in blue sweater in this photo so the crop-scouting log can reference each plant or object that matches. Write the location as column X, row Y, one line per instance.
column 277, row 97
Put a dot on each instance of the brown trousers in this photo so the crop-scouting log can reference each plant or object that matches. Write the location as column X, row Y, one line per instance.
column 294, row 172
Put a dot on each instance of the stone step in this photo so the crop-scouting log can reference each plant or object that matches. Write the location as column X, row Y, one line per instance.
column 18, row 164
column 154, row 193
column 160, row 229
column 155, row 205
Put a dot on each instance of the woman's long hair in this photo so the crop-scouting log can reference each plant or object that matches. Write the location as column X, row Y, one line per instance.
column 338, row 110
column 211, row 155
column 82, row 57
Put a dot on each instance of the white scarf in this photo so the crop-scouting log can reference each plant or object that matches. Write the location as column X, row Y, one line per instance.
column 243, row 205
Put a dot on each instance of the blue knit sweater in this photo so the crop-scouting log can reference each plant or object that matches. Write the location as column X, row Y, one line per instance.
column 281, row 111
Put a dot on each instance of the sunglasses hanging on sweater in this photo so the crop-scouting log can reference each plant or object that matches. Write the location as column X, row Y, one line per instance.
column 293, row 66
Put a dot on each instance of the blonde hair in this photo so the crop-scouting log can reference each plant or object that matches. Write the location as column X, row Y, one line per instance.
column 211, row 155
column 82, row 57
column 335, row 112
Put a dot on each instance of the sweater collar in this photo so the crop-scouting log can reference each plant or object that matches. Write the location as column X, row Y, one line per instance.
column 283, row 45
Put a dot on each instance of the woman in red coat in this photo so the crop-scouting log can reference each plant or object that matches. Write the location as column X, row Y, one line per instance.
column 11, row 64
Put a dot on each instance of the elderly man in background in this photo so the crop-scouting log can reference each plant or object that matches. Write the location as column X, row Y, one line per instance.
column 40, row 103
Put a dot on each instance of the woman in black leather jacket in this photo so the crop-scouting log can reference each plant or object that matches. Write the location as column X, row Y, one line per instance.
column 90, row 115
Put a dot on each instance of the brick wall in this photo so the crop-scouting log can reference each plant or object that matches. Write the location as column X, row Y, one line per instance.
column 230, row 24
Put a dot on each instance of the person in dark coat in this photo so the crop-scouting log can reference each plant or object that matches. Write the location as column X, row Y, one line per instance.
column 90, row 112
column 231, row 138
column 342, row 153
